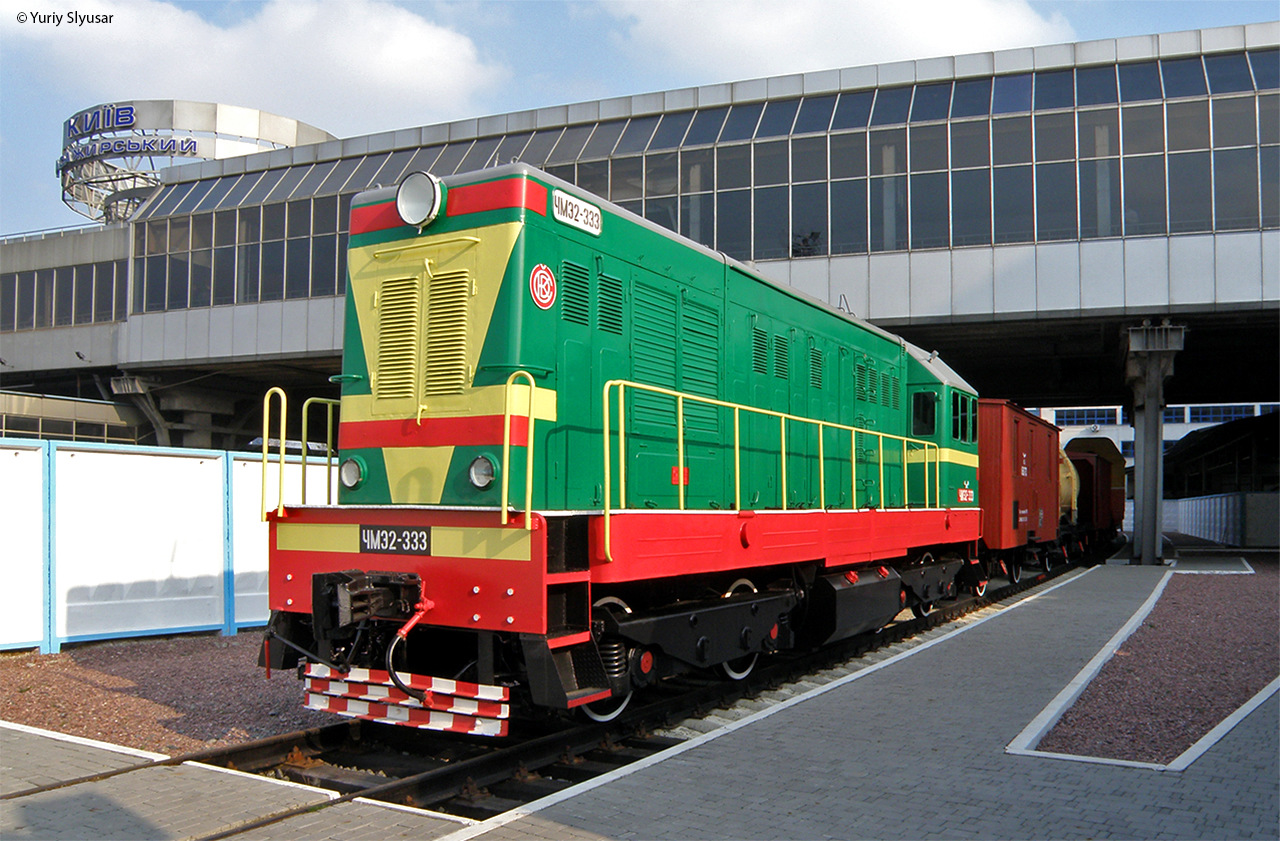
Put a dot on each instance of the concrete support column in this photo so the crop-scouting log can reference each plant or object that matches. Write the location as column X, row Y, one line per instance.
column 1148, row 363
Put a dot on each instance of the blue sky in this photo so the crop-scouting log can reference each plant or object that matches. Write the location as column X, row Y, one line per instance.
column 360, row 66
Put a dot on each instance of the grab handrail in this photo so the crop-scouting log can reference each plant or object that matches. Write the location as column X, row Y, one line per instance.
column 266, row 441
column 328, row 445
column 506, row 449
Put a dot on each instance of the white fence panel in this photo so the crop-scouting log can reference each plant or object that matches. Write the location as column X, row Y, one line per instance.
column 139, row 542
column 22, row 528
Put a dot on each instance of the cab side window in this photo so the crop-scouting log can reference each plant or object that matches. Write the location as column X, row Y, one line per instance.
column 923, row 414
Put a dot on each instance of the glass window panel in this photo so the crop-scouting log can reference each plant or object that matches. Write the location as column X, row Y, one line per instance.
column 603, row 139
column 342, row 263
column 889, row 213
column 1144, row 197
column 44, row 294
column 178, row 278
column 705, row 128
column 391, row 173
column 815, row 114
column 1190, row 193
column 139, row 285
column 1228, row 73
column 8, row 301
column 697, row 171
column 1235, row 188
column 157, row 236
column 1269, row 118
column 698, row 218
column 1055, row 136
column 849, row 155
column 971, row 207
column 771, row 162
column 1099, row 133
column 201, row 231
column 849, row 217
column 662, row 174
column 298, row 218
column 224, row 275
column 363, row 176
column 635, row 138
column 1269, row 179
column 451, row 156
column 1143, row 128
column 1266, row 68
column 1010, row 94
column 201, row 278
column 140, row 240
column 809, row 220
column 248, row 266
column 297, row 278
column 570, row 145
column 628, row 178
column 930, row 211
column 338, row 176
column 932, row 102
column 1234, row 122
column 540, row 146
column 888, row 151
column 324, row 215
column 593, row 176
column 83, row 308
column 122, row 290
column 25, row 317
column 635, row 206
column 63, row 295
column 1188, row 125
column 778, row 117
column 271, row 286
column 250, row 224
column 671, row 130
column 971, row 98
column 478, row 156
column 563, row 171
column 422, row 161
column 741, row 124
column 273, row 224
column 104, row 289
column 311, row 184
column 344, row 211
column 511, row 146
column 269, row 180
column 733, row 166
column 773, row 229
column 662, row 212
column 853, row 110
column 166, row 205
column 1139, row 82
column 970, row 144
column 289, row 182
column 1100, row 198
column 241, row 190
column 733, row 228
column 892, row 106
column 1056, row 201
column 809, row 158
column 219, row 191
column 1013, row 204
column 1011, row 140
column 160, row 196
column 928, row 147
column 1183, row 77
column 179, row 233
column 1095, row 85
column 1055, row 89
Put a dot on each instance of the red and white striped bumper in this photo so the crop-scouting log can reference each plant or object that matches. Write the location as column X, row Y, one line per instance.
column 370, row 694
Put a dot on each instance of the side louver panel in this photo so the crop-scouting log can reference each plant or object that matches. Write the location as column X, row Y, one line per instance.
column 447, row 305
column 399, row 310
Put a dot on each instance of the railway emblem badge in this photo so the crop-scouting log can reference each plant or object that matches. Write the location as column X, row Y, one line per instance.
column 542, row 286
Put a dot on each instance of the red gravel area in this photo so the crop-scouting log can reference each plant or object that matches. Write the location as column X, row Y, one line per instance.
column 165, row 694
column 1209, row 645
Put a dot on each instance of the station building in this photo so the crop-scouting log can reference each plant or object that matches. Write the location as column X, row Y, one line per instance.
column 1016, row 210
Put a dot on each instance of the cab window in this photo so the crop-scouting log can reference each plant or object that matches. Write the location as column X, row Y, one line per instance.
column 923, row 413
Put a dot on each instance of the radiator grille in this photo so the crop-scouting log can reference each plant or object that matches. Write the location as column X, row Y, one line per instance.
column 399, row 306
column 446, row 369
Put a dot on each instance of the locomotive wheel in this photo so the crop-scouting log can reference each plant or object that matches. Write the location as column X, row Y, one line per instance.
column 980, row 589
column 741, row 667
column 1015, row 570
column 609, row 708
column 1048, row 561
column 921, row 609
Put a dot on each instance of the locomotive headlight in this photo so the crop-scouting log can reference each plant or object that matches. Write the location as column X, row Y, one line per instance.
column 481, row 472
column 419, row 198
column 351, row 473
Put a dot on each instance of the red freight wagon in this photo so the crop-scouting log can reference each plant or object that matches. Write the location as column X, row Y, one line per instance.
column 1101, row 469
column 1018, row 480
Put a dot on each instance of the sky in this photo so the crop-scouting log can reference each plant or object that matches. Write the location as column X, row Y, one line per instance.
column 354, row 67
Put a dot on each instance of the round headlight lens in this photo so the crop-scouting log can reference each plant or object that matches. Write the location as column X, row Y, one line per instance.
column 418, row 198
column 351, row 473
column 481, row 472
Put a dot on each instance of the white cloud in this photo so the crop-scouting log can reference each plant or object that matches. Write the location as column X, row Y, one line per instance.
column 724, row 40
column 350, row 67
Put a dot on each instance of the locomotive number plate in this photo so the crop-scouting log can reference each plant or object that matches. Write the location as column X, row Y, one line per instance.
column 395, row 540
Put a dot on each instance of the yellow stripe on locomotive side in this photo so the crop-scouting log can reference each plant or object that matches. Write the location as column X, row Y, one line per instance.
column 946, row 455
column 317, row 537
column 446, row 541
column 485, row 400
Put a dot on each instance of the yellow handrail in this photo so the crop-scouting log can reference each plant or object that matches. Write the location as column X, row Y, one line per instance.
column 506, row 450
column 266, row 424
column 783, row 419
column 328, row 445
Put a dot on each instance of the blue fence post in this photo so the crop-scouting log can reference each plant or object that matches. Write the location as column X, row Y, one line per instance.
column 49, row 643
column 228, row 547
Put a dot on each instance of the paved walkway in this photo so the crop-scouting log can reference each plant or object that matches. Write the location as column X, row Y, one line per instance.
column 911, row 747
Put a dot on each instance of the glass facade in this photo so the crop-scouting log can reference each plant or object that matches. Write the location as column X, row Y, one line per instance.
column 1148, row 148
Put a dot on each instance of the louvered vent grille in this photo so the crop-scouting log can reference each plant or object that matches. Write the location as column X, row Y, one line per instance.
column 781, row 357
column 815, row 368
column 759, row 351
column 575, row 300
column 860, row 382
column 609, row 305
column 886, row 389
column 399, row 305
column 447, row 333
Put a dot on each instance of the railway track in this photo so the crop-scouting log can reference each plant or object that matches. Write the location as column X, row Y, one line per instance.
column 477, row 778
